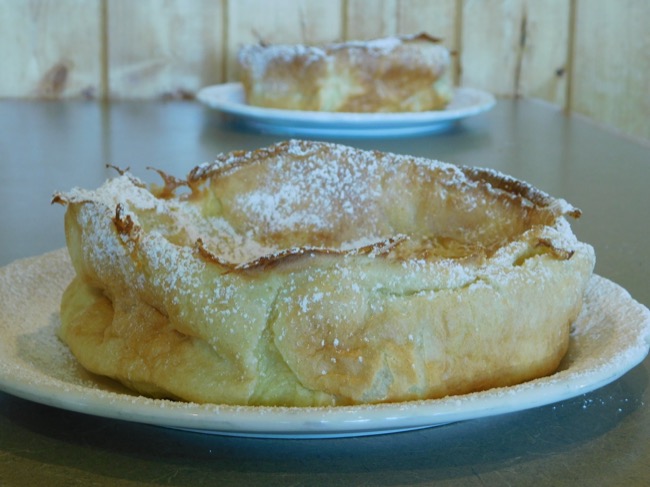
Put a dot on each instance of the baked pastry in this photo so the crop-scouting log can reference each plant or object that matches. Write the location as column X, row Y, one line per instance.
column 309, row 273
column 393, row 74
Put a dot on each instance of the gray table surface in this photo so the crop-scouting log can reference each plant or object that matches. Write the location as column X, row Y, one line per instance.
column 600, row 438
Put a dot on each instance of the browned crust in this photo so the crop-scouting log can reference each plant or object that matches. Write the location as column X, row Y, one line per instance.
column 266, row 261
column 225, row 163
column 342, row 323
column 418, row 37
column 515, row 187
column 496, row 179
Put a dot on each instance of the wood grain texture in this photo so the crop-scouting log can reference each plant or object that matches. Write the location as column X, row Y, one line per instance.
column 280, row 21
column 611, row 71
column 516, row 47
column 50, row 48
column 367, row 20
column 164, row 48
column 490, row 39
column 436, row 17
column 585, row 56
column 543, row 70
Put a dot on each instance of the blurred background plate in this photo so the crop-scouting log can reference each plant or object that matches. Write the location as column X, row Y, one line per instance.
column 229, row 98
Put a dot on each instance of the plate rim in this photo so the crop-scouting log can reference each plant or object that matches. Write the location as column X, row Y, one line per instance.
column 315, row 422
column 228, row 98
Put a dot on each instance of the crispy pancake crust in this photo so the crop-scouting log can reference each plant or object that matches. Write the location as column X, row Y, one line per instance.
column 310, row 273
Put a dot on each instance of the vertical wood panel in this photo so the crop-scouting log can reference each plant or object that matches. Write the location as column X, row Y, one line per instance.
column 436, row 17
column 368, row 19
column 164, row 48
column 153, row 48
column 516, row 47
column 281, row 21
column 544, row 69
column 490, row 41
column 611, row 75
column 50, row 48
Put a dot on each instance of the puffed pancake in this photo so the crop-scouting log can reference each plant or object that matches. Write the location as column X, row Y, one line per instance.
column 309, row 273
column 392, row 74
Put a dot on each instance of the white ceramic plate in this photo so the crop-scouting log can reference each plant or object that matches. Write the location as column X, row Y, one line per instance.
column 611, row 336
column 229, row 98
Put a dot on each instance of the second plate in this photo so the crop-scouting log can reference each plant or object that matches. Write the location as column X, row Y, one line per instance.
column 229, row 98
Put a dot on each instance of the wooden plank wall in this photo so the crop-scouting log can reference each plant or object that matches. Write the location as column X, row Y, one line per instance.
column 590, row 57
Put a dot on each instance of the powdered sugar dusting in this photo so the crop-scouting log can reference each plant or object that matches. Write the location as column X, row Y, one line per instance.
column 300, row 198
column 304, row 191
column 611, row 336
column 299, row 209
column 259, row 58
